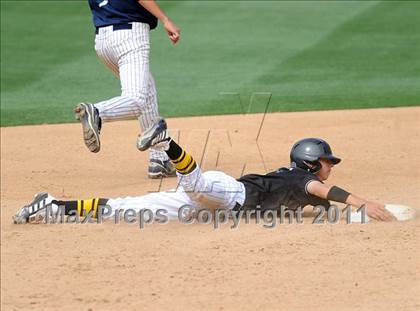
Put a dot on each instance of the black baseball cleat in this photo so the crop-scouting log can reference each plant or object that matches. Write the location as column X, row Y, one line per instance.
column 159, row 169
column 88, row 115
column 153, row 136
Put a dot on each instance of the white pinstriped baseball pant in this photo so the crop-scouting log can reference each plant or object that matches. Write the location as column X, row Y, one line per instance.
column 126, row 53
column 211, row 189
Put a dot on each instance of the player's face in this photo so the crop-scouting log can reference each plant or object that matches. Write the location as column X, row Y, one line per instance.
column 325, row 170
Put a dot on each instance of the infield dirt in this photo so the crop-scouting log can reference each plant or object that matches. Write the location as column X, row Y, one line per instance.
column 194, row 267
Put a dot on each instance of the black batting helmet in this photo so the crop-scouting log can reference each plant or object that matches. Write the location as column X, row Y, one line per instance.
column 306, row 153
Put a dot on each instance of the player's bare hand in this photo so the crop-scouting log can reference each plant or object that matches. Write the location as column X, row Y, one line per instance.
column 377, row 211
column 174, row 32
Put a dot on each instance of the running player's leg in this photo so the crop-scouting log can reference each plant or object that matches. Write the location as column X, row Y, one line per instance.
column 149, row 115
column 159, row 165
column 87, row 113
column 131, row 50
column 109, row 60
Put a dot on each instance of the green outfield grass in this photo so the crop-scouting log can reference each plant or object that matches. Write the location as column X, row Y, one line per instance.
column 308, row 55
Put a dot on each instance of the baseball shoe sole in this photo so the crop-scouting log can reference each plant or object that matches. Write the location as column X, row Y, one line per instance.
column 35, row 211
column 155, row 134
column 159, row 169
column 91, row 124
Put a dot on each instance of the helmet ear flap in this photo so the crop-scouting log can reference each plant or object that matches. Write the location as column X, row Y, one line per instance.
column 313, row 166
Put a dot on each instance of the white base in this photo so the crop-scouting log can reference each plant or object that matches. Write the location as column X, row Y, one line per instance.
column 401, row 213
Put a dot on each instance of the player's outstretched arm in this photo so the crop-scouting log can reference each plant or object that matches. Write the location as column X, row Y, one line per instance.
column 174, row 33
column 373, row 210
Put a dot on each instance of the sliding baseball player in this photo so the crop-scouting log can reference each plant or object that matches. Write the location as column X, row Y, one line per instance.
column 301, row 184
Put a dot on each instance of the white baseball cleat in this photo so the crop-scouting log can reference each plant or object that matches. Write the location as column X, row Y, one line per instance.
column 34, row 212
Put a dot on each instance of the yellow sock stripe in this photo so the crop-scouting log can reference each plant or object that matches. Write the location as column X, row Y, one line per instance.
column 184, row 163
column 85, row 206
column 88, row 205
column 180, row 158
column 188, row 168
